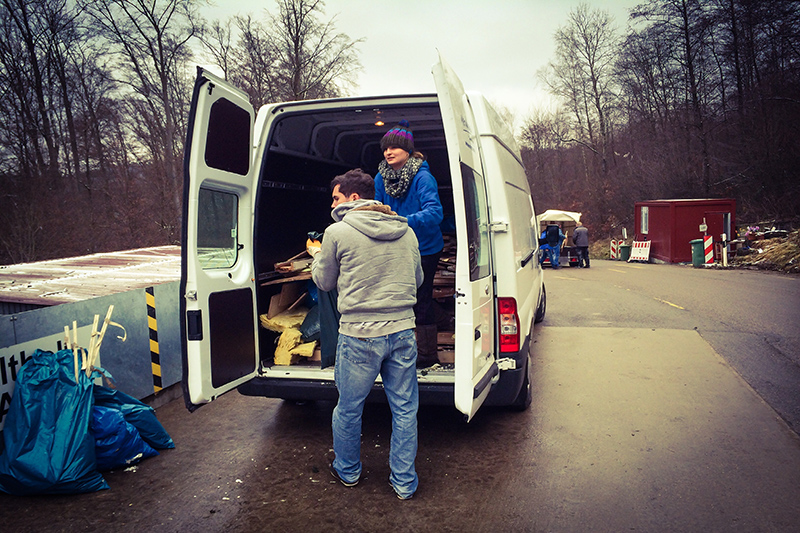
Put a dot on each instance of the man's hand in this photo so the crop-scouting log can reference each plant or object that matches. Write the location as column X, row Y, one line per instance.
column 313, row 247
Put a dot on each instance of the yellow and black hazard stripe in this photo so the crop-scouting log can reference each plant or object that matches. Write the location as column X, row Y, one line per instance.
column 155, row 357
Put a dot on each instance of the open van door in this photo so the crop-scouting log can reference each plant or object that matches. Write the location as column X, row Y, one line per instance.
column 475, row 365
column 218, row 304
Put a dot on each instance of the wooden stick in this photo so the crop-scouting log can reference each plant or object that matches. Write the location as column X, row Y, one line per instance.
column 93, row 341
column 102, row 334
column 75, row 348
column 67, row 346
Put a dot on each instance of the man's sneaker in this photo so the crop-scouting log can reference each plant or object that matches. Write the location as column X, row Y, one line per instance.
column 400, row 496
column 335, row 474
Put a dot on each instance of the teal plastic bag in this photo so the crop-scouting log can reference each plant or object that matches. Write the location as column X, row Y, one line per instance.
column 48, row 446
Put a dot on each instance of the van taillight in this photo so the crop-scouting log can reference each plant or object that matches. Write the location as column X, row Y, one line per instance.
column 509, row 324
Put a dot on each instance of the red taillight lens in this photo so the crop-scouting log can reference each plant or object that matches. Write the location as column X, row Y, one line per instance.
column 509, row 324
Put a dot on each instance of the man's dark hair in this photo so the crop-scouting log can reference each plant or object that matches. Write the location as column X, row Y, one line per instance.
column 355, row 181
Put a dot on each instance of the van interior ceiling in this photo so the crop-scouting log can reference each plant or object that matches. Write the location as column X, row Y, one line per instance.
column 307, row 150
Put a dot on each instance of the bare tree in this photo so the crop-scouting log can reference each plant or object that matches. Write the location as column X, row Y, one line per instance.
column 313, row 60
column 24, row 57
column 217, row 39
column 582, row 75
column 295, row 55
column 685, row 23
column 36, row 125
column 151, row 41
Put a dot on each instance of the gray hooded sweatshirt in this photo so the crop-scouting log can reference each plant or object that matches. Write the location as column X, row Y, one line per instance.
column 372, row 257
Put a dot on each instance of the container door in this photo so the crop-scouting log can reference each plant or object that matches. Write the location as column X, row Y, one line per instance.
column 218, row 304
column 475, row 366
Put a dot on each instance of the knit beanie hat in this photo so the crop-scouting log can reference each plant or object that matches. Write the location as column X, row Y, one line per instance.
column 400, row 136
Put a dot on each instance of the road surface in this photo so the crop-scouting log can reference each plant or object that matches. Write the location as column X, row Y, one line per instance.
column 637, row 423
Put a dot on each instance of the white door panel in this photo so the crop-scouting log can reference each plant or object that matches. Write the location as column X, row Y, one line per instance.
column 218, row 279
column 474, row 346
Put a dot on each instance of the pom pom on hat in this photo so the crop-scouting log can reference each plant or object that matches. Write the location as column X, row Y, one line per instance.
column 400, row 136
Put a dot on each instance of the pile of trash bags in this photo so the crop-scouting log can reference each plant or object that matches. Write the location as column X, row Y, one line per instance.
column 62, row 430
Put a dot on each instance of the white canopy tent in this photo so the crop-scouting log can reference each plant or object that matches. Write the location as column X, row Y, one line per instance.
column 556, row 215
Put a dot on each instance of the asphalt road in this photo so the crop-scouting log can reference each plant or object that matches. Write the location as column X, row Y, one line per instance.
column 751, row 318
column 639, row 422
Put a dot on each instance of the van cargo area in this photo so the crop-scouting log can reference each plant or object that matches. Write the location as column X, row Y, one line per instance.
column 257, row 186
column 306, row 150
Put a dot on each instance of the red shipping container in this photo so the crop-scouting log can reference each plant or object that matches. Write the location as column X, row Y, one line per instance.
column 670, row 225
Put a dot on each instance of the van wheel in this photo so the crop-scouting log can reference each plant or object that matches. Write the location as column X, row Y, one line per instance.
column 542, row 309
column 525, row 396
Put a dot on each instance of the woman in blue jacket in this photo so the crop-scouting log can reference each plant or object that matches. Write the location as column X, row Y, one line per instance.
column 404, row 182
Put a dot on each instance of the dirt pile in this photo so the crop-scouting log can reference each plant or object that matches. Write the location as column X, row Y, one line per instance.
column 779, row 253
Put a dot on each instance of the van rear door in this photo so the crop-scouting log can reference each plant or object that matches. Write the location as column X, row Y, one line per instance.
column 475, row 366
column 218, row 304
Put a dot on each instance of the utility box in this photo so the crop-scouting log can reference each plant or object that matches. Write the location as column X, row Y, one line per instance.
column 670, row 225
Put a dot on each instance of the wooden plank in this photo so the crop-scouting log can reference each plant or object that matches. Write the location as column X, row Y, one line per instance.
column 289, row 296
column 294, row 264
column 298, row 277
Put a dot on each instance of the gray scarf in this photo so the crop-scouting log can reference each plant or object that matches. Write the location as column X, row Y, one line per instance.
column 397, row 182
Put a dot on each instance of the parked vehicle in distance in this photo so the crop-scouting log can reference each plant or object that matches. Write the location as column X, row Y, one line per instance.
column 567, row 221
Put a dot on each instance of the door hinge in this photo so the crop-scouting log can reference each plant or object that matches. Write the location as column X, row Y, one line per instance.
column 506, row 364
column 499, row 227
column 191, row 295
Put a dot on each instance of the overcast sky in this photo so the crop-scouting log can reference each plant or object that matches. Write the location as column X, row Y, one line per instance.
column 495, row 46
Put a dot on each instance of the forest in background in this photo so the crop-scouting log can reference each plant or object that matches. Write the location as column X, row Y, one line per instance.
column 696, row 99
column 95, row 103
column 693, row 99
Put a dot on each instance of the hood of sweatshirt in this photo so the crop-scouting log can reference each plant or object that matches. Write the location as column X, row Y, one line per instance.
column 372, row 218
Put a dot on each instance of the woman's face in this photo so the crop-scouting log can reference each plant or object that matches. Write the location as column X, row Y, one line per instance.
column 395, row 157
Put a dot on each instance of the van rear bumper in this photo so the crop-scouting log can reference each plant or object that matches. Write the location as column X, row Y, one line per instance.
column 505, row 391
column 305, row 389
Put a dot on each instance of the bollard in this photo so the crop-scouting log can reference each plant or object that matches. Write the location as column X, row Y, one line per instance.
column 708, row 245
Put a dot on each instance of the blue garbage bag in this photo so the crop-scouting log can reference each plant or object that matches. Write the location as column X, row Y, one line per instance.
column 48, row 446
column 117, row 442
column 139, row 414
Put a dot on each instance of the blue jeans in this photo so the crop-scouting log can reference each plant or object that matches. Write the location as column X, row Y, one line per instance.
column 553, row 254
column 358, row 363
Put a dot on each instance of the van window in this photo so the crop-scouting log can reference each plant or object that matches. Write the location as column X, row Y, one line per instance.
column 217, row 213
column 228, row 138
column 477, row 223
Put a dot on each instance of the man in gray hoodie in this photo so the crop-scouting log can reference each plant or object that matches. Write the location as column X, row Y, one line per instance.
column 372, row 258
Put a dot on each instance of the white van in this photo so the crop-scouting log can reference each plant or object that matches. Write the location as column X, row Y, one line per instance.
column 254, row 188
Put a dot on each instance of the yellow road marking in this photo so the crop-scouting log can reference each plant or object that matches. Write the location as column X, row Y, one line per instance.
column 668, row 303
column 615, row 270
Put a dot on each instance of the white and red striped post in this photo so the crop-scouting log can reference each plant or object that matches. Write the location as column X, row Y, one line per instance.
column 708, row 246
column 614, row 252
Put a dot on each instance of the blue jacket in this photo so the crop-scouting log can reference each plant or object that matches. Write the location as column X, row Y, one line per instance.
column 421, row 206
